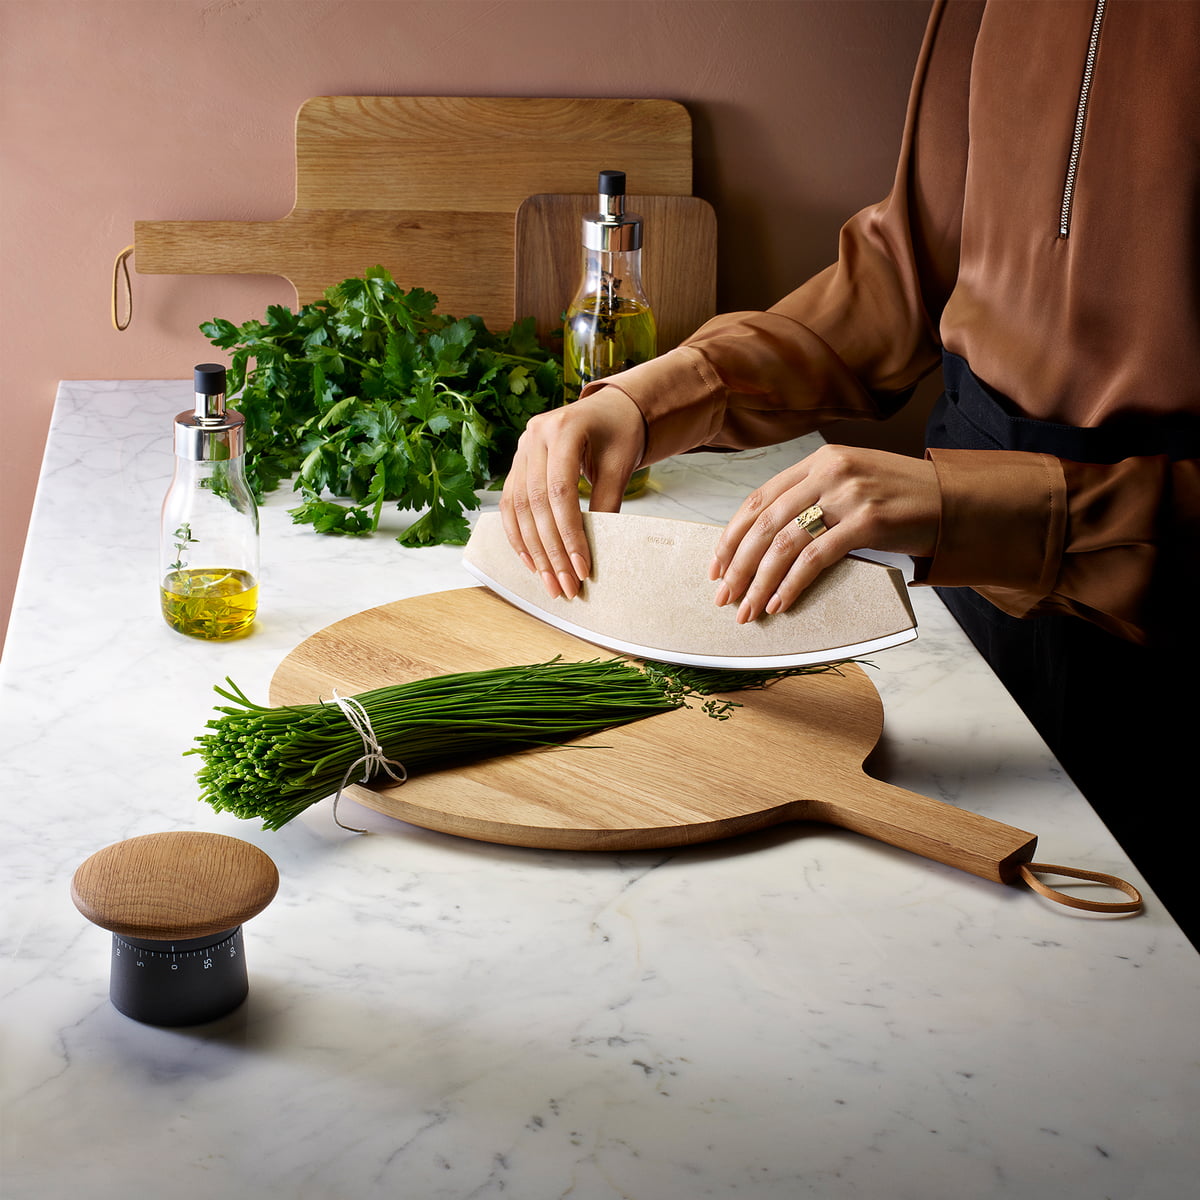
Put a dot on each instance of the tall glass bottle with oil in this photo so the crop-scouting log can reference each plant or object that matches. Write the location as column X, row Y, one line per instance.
column 609, row 324
column 208, row 539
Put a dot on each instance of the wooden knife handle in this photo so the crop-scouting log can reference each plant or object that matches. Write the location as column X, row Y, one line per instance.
column 947, row 834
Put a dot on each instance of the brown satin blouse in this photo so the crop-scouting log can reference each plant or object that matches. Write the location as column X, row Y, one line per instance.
column 1080, row 302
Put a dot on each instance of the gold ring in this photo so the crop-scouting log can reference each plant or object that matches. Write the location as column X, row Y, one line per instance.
column 812, row 521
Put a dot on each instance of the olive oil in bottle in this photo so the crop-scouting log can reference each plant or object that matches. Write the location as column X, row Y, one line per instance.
column 609, row 324
column 212, row 604
column 208, row 541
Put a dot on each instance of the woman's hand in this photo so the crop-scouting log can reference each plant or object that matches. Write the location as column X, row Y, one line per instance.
column 870, row 499
column 602, row 437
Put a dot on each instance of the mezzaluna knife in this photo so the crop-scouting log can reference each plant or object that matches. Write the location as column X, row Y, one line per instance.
column 649, row 596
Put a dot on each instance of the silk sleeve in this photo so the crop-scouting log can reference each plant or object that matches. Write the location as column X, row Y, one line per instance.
column 854, row 340
column 1114, row 544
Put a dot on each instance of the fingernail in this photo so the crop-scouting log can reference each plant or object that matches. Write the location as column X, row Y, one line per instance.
column 527, row 561
column 568, row 583
column 774, row 604
column 745, row 613
column 722, row 596
column 580, row 565
column 551, row 584
column 714, row 569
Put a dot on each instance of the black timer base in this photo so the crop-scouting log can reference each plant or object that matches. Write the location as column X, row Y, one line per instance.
column 178, row 983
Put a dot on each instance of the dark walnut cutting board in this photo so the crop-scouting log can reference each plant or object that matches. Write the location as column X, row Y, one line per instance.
column 793, row 752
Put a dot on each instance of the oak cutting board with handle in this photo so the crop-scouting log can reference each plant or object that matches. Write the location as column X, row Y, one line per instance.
column 793, row 752
column 429, row 186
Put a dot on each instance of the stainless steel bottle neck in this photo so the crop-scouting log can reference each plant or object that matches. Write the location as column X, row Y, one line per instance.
column 622, row 233
column 215, row 438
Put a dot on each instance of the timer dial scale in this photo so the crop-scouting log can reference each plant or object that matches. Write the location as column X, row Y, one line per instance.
column 175, row 904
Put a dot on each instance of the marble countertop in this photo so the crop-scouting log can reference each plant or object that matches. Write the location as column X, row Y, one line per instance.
column 802, row 1012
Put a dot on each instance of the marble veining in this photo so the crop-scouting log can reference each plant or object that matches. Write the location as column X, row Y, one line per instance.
column 801, row 1012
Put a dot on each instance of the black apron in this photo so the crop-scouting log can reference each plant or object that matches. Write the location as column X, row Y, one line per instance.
column 1120, row 718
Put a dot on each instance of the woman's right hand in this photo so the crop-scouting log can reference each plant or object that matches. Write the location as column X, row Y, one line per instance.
column 602, row 437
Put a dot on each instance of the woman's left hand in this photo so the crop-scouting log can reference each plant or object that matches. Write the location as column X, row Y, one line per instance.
column 869, row 499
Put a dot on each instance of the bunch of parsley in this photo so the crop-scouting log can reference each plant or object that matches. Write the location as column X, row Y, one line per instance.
column 372, row 396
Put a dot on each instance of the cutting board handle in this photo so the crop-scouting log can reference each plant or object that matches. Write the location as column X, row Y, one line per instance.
column 959, row 838
column 953, row 836
column 215, row 247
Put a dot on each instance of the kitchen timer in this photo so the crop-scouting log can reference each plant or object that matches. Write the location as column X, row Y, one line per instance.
column 175, row 904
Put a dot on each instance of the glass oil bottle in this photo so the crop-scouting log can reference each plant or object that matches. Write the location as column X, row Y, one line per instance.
column 208, row 541
column 609, row 325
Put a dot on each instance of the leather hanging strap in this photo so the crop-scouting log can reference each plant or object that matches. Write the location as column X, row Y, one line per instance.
column 121, row 266
column 1132, row 905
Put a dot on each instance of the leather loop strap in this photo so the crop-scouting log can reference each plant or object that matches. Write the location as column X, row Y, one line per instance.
column 122, row 265
column 1132, row 905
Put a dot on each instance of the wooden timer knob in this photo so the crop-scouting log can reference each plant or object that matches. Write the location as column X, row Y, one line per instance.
column 175, row 904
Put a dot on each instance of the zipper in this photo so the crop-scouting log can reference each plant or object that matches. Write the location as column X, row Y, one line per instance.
column 1064, row 216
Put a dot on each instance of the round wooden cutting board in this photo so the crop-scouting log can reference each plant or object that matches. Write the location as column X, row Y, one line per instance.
column 794, row 751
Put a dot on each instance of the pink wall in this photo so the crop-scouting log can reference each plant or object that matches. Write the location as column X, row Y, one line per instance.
column 113, row 111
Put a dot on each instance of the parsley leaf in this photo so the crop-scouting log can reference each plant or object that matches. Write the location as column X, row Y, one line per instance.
column 371, row 396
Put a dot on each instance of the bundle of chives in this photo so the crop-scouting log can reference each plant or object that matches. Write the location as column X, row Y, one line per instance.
column 273, row 763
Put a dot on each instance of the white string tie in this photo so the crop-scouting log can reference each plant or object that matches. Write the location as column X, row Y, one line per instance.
column 372, row 759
